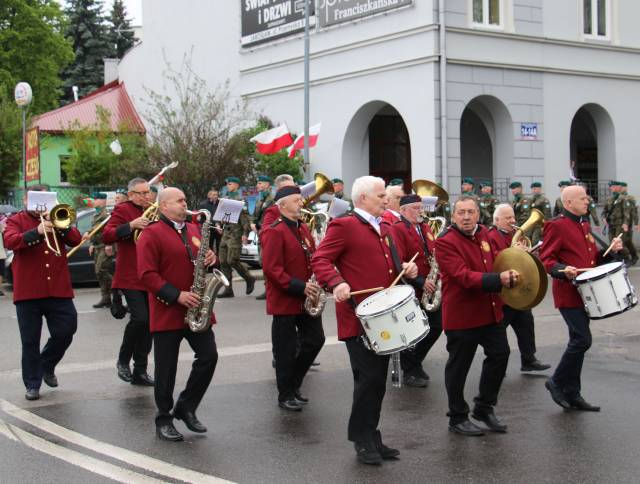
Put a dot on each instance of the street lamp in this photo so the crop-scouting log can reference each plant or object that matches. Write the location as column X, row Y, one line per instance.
column 23, row 96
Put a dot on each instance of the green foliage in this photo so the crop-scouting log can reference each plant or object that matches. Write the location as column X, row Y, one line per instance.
column 10, row 143
column 87, row 32
column 33, row 49
column 91, row 160
column 120, row 35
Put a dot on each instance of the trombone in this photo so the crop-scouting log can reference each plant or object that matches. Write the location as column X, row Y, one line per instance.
column 61, row 217
column 93, row 231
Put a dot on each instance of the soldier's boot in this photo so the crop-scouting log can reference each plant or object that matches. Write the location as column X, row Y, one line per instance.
column 228, row 291
column 105, row 300
column 246, row 275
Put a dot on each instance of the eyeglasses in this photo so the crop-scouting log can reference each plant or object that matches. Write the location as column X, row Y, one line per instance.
column 141, row 193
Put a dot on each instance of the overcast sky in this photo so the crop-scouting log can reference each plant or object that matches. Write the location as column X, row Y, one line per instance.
column 134, row 9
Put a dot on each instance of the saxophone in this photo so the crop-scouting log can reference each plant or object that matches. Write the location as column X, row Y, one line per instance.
column 314, row 306
column 199, row 318
column 431, row 302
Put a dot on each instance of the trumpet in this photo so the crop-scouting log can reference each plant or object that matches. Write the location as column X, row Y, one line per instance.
column 61, row 217
column 152, row 213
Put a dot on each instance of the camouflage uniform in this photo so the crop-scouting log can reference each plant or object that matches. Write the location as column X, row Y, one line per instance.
column 488, row 204
column 104, row 264
column 265, row 200
column 627, row 238
column 618, row 211
column 539, row 202
column 444, row 210
column 231, row 246
column 521, row 208
column 593, row 212
column 557, row 209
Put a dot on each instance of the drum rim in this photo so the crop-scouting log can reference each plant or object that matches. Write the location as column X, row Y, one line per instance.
column 413, row 343
column 601, row 276
column 612, row 314
column 411, row 294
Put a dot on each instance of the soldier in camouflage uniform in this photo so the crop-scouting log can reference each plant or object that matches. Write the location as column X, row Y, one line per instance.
column 467, row 187
column 488, row 203
column 265, row 200
column 103, row 255
column 618, row 214
column 627, row 238
column 233, row 236
column 520, row 203
column 539, row 202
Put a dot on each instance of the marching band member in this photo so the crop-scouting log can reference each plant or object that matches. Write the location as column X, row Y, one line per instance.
column 568, row 244
column 355, row 254
column 167, row 251
column 287, row 250
column 500, row 236
column 272, row 213
column 136, row 340
column 471, row 316
column 413, row 235
column 392, row 214
column 41, row 287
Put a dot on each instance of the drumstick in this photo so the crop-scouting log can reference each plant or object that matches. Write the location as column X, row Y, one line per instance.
column 583, row 269
column 611, row 246
column 403, row 271
column 361, row 291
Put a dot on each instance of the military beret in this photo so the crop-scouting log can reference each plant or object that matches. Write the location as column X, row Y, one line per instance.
column 564, row 183
column 412, row 198
column 486, row 184
column 121, row 190
column 265, row 178
column 99, row 196
column 515, row 184
column 337, row 180
column 286, row 191
column 622, row 184
column 232, row 179
column 536, row 185
column 396, row 182
column 468, row 180
column 153, row 188
column 300, row 182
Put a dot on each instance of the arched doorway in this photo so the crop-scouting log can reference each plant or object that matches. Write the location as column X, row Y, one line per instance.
column 476, row 150
column 592, row 147
column 377, row 142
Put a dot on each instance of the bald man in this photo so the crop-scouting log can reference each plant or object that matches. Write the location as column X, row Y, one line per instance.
column 568, row 244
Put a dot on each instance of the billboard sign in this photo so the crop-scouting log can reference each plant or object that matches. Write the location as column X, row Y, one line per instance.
column 332, row 12
column 32, row 144
column 266, row 20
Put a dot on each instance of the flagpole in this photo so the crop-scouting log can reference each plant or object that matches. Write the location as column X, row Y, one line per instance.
column 307, row 161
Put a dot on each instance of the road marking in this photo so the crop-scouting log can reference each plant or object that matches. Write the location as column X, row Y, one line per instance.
column 86, row 462
column 118, row 453
column 184, row 356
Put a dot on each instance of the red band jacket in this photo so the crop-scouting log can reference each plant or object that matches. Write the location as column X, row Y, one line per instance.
column 499, row 240
column 118, row 230
column 409, row 242
column 352, row 251
column 269, row 216
column 390, row 217
column 469, row 285
column 37, row 271
column 286, row 262
column 165, row 269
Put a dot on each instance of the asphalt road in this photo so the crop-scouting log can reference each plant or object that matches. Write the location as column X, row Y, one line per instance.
column 96, row 428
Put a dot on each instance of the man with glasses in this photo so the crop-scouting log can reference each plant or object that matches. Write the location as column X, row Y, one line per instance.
column 136, row 341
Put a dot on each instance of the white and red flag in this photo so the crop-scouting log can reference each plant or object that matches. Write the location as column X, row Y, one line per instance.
column 298, row 144
column 273, row 140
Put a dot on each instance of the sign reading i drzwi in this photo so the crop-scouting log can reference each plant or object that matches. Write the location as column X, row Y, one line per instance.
column 266, row 20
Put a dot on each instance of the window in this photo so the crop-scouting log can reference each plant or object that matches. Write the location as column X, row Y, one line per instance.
column 595, row 18
column 487, row 12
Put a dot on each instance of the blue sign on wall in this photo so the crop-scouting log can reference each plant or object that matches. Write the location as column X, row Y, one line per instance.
column 529, row 131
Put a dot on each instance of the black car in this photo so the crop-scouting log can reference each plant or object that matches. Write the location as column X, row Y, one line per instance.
column 81, row 265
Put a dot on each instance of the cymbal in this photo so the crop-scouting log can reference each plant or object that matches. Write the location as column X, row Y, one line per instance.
column 532, row 284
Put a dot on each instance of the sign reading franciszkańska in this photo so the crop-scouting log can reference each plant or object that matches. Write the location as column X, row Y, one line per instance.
column 331, row 12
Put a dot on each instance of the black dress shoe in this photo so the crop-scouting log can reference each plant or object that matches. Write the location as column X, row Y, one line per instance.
column 300, row 398
column 491, row 421
column 124, row 372
column 367, row 453
column 385, row 452
column 142, row 379
column 50, row 379
column 292, row 405
column 534, row 365
column 415, row 381
column 557, row 395
column 423, row 373
column 261, row 297
column 168, row 432
column 315, row 363
column 580, row 403
column 251, row 283
column 32, row 394
column 225, row 294
column 190, row 420
column 466, row 427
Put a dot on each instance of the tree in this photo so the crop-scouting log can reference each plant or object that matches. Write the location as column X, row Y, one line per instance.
column 121, row 36
column 10, row 143
column 87, row 32
column 33, row 49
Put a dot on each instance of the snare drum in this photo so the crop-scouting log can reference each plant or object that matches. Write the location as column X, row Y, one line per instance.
column 606, row 290
column 392, row 320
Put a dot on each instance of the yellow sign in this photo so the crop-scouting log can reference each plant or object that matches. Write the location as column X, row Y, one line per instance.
column 32, row 143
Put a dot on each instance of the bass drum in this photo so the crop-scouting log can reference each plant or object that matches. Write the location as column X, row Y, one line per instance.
column 606, row 290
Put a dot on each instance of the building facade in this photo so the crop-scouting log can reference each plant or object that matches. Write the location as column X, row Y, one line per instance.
column 533, row 89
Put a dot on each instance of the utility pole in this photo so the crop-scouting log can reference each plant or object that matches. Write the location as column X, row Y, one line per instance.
column 307, row 161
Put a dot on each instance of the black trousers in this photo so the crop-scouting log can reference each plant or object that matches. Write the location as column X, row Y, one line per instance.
column 369, row 386
column 411, row 359
column 136, row 341
column 567, row 374
column 293, row 362
column 523, row 327
column 166, row 348
column 62, row 321
column 462, row 345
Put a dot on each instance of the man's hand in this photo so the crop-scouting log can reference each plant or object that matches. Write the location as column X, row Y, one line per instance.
column 253, row 227
column 45, row 225
column 139, row 223
column 509, row 278
column 342, row 292
column 85, row 236
column 617, row 245
column 410, row 269
column 244, row 239
column 429, row 287
column 108, row 250
column 91, row 249
column 188, row 299
column 210, row 258
column 312, row 290
column 570, row 272
column 625, row 228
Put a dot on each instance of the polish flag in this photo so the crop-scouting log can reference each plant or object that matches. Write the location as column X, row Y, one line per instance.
column 298, row 144
column 273, row 140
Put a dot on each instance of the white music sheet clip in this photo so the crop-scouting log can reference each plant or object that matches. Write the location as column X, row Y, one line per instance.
column 228, row 211
column 41, row 201
column 429, row 203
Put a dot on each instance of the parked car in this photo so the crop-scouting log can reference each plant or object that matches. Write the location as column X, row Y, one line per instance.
column 249, row 253
column 81, row 265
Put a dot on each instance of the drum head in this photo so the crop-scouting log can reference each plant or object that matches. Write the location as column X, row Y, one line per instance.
column 598, row 272
column 383, row 300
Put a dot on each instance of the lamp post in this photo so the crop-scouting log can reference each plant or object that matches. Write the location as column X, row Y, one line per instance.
column 23, row 96
column 307, row 161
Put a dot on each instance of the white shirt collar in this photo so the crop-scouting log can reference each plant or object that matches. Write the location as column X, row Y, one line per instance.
column 373, row 221
column 397, row 214
column 178, row 226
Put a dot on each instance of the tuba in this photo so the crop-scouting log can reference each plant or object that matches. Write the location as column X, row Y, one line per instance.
column 535, row 219
column 199, row 318
column 323, row 185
